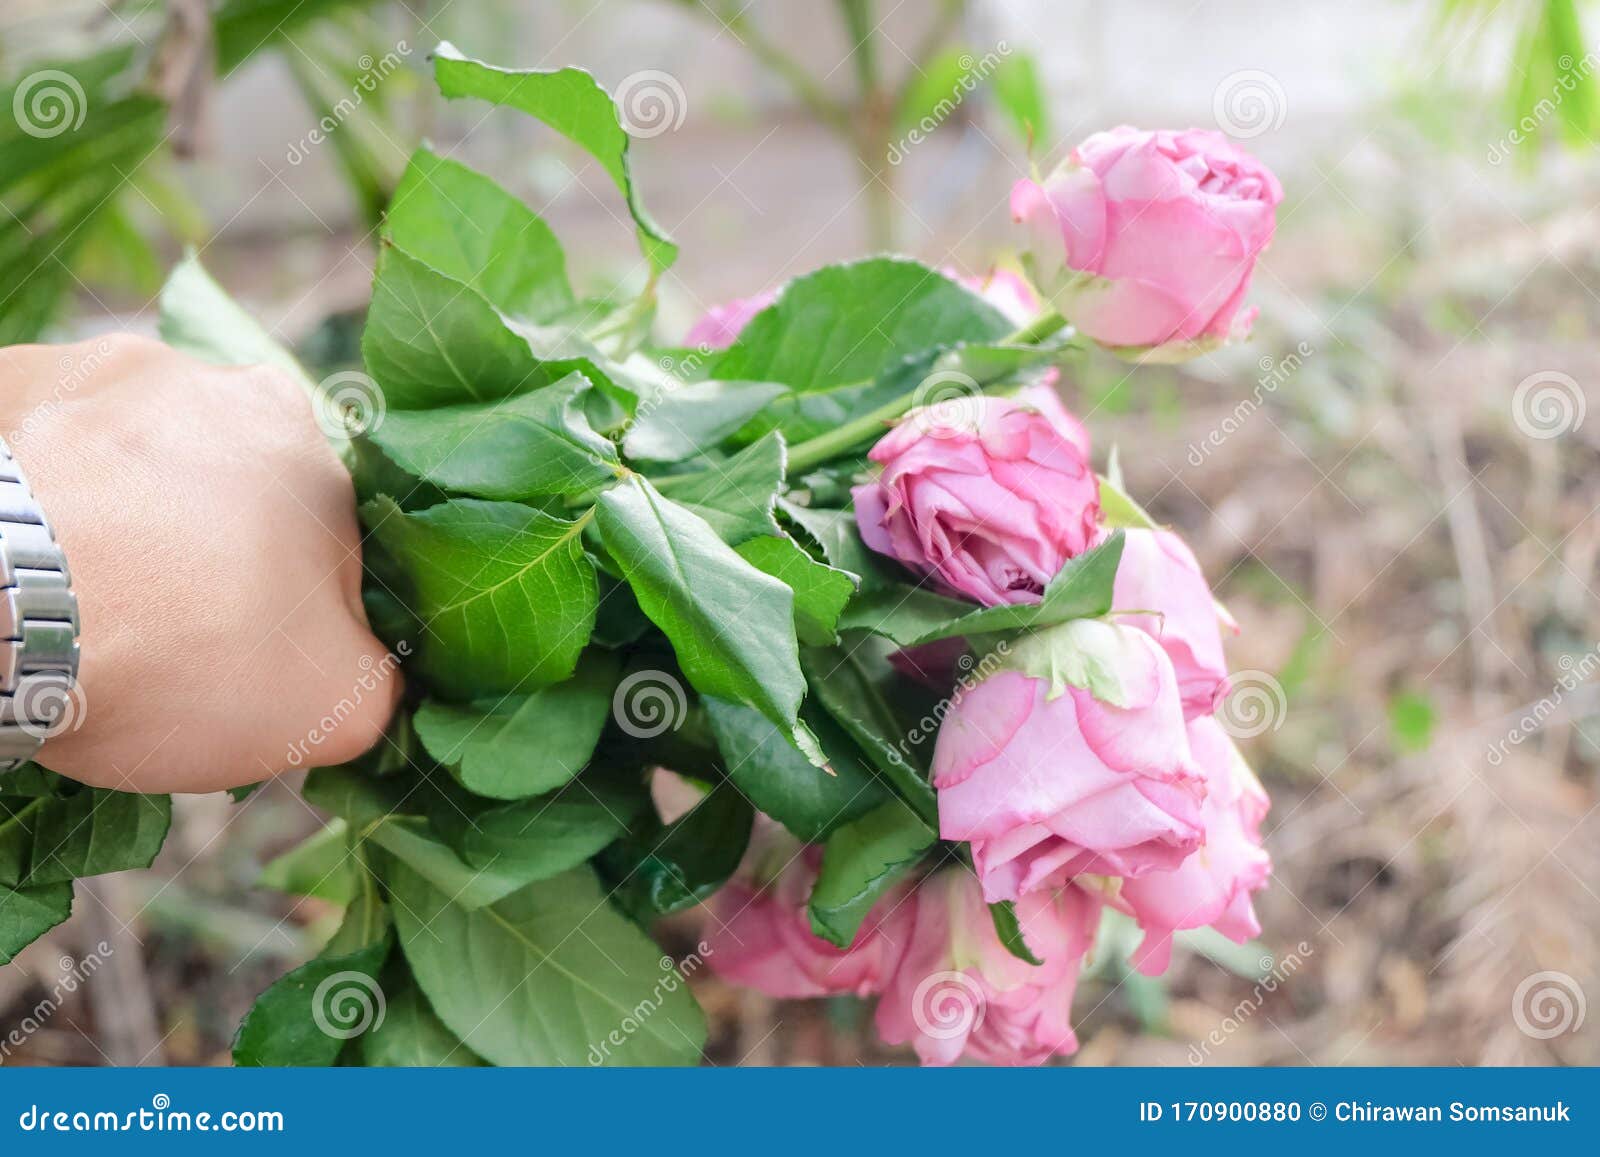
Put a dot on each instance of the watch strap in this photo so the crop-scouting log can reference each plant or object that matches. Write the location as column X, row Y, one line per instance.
column 39, row 695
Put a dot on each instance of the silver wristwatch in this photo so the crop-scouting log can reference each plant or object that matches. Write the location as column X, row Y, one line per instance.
column 38, row 625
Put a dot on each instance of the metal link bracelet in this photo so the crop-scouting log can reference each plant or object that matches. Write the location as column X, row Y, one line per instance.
column 38, row 624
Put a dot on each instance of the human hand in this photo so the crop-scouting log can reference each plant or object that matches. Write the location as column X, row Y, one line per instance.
column 211, row 535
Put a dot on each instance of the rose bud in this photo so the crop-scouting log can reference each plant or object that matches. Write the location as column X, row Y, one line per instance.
column 1158, row 574
column 1212, row 886
column 720, row 325
column 959, row 991
column 1146, row 241
column 1072, row 758
column 761, row 936
column 984, row 495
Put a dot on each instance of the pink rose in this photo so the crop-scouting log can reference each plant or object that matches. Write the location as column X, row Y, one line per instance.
column 1159, row 574
column 1147, row 240
column 1042, row 396
column 958, row 990
column 986, row 495
column 720, row 325
column 761, row 936
column 1047, row 779
column 1212, row 886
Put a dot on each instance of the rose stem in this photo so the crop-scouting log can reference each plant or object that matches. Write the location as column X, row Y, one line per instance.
column 814, row 451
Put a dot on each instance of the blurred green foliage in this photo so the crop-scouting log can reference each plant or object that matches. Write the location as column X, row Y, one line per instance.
column 1549, row 90
column 86, row 188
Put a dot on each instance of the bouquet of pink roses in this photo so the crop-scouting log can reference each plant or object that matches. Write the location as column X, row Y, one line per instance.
column 1080, row 762
column 933, row 694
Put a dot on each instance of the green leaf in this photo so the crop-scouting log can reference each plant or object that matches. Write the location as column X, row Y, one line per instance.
column 242, row 28
column 306, row 1016
column 935, row 93
column 118, row 255
column 862, row 861
column 779, row 778
column 572, row 102
column 731, row 627
column 821, row 592
column 411, row 1036
column 1087, row 653
column 737, row 500
column 552, row 975
column 833, row 332
column 56, row 185
column 735, row 497
column 520, row 746
column 836, row 534
column 28, row 913
column 912, row 615
column 505, row 591
column 353, row 795
column 476, row 851
column 467, row 227
column 375, row 473
column 664, row 869
column 1004, row 914
column 320, row 866
column 528, row 446
column 859, row 690
column 35, row 782
column 1117, row 509
column 431, row 340
column 412, row 842
column 681, row 420
column 534, row 839
column 88, row 833
column 199, row 318
column 938, row 369
column 1020, row 93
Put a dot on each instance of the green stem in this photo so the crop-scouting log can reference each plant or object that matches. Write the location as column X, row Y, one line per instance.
column 1047, row 324
column 814, row 451
column 16, row 816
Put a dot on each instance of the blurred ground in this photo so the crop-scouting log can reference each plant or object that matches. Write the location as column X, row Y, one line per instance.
column 1405, row 530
